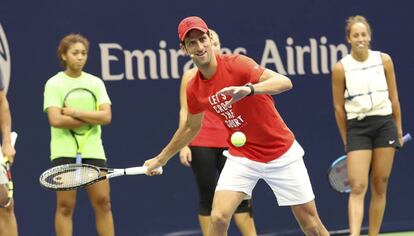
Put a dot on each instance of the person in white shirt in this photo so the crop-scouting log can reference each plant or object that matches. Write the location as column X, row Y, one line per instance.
column 367, row 112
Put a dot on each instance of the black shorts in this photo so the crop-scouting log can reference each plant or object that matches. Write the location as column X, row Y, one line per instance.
column 71, row 160
column 207, row 165
column 371, row 132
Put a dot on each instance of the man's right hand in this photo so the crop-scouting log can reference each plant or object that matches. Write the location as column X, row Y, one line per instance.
column 152, row 164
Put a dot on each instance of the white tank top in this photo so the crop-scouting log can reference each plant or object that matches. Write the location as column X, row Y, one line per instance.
column 366, row 92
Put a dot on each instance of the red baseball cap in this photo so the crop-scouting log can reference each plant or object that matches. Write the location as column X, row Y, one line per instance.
column 189, row 23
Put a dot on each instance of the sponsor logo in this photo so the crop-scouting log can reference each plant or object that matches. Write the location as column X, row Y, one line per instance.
column 391, row 141
column 4, row 59
column 316, row 56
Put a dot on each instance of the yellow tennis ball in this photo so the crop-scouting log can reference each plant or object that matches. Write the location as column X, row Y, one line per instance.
column 238, row 139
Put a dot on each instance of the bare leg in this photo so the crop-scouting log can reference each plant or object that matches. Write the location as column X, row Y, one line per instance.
column 308, row 219
column 64, row 212
column 358, row 170
column 99, row 195
column 204, row 224
column 382, row 161
column 245, row 224
column 8, row 224
column 224, row 205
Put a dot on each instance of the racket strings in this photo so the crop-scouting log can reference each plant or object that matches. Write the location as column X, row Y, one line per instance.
column 338, row 177
column 3, row 174
column 69, row 176
column 81, row 99
column 84, row 100
column 4, row 196
column 6, row 187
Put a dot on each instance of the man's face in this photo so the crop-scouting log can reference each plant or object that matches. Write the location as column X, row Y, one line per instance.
column 198, row 46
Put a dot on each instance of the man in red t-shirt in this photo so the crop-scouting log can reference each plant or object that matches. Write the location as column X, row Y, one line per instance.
column 205, row 157
column 238, row 90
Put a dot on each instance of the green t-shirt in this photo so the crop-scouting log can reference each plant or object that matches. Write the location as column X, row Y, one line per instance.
column 62, row 143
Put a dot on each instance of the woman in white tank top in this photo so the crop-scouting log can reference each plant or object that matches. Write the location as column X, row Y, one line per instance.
column 365, row 100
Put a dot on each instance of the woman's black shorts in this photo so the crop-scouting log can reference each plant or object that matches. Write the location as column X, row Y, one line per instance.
column 371, row 132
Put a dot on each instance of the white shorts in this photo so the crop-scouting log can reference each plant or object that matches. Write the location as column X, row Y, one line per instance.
column 287, row 176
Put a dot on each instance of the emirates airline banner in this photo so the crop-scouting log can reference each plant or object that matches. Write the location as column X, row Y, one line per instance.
column 134, row 49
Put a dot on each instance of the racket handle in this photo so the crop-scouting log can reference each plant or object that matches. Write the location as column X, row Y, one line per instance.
column 407, row 137
column 13, row 138
column 78, row 172
column 159, row 170
column 78, row 159
column 136, row 170
column 140, row 170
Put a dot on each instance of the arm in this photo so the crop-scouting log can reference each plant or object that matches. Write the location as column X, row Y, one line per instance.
column 5, row 123
column 338, row 90
column 270, row 83
column 58, row 120
column 101, row 117
column 53, row 106
column 181, row 138
column 393, row 93
column 185, row 153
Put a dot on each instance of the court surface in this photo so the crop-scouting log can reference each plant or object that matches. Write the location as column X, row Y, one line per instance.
column 399, row 234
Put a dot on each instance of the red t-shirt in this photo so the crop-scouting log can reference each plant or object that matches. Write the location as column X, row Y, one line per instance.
column 213, row 133
column 268, row 137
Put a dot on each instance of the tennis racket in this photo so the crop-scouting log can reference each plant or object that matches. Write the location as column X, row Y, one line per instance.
column 6, row 181
column 81, row 99
column 73, row 176
column 338, row 172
